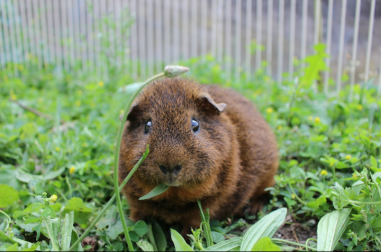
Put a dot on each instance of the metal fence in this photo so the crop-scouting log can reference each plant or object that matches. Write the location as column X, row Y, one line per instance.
column 142, row 35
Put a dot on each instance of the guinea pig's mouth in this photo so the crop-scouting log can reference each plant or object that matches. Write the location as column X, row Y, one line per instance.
column 171, row 182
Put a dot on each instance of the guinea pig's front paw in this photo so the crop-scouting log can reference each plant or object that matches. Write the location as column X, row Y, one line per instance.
column 256, row 204
column 193, row 223
column 136, row 215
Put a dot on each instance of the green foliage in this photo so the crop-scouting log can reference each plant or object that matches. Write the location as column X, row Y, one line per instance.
column 8, row 195
column 330, row 152
column 330, row 229
column 159, row 189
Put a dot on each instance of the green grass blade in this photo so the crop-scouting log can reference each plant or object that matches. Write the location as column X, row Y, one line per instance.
column 226, row 245
column 160, row 240
column 265, row 227
column 180, row 243
column 66, row 231
column 159, row 189
column 331, row 227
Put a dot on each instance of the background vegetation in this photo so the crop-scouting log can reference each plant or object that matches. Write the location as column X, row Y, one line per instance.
column 56, row 163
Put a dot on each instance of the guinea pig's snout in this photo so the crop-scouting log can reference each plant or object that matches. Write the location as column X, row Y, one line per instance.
column 175, row 169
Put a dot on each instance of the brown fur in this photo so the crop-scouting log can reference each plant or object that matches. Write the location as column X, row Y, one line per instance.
column 226, row 165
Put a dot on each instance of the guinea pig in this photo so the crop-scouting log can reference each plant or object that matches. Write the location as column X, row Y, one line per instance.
column 206, row 142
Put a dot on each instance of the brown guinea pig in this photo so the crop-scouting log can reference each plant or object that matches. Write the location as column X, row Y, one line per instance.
column 206, row 142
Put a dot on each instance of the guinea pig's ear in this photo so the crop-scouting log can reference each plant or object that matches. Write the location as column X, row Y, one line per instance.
column 208, row 103
column 134, row 111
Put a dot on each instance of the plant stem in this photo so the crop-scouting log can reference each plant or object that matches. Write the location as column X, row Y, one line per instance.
column 9, row 219
column 296, row 196
column 87, row 231
column 116, row 158
column 293, row 243
column 308, row 241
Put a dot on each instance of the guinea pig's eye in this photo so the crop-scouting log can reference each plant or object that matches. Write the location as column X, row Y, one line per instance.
column 195, row 126
column 147, row 127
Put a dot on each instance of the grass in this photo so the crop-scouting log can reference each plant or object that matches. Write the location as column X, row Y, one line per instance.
column 61, row 161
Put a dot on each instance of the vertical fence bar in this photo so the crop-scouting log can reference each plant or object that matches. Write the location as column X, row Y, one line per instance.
column 18, row 25
column 12, row 38
column 90, row 36
column 31, row 31
column 185, row 25
column 228, row 40
column 97, row 31
column 304, row 29
column 354, row 49
column 195, row 37
column 71, row 33
column 292, row 40
column 26, row 28
column 176, row 35
column 65, row 37
column 135, row 39
column 150, row 37
column 57, row 34
column 48, row 59
column 167, row 32
column 220, row 31
column 280, row 43
column 2, row 47
column 158, row 36
column 341, row 45
column 38, row 33
column 204, row 26
column 370, row 38
column 237, row 41
column 328, row 42
column 34, row 11
column 213, row 45
column 248, row 40
column 17, row 41
column 317, row 21
column 258, row 35
column 269, row 36
column 140, row 11
column 84, row 38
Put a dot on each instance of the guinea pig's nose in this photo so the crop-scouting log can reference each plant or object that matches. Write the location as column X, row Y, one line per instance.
column 170, row 169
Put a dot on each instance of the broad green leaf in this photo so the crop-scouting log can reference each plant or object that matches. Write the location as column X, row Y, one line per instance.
column 133, row 236
column 53, row 174
column 341, row 165
column 74, row 238
column 159, row 189
column 66, row 230
column 217, row 237
column 226, row 245
column 373, row 162
column 180, row 243
column 33, row 247
column 32, row 220
column 27, row 177
column 151, row 238
column 13, row 247
column 52, row 237
column 265, row 227
column 140, row 228
column 8, row 195
column 330, row 229
column 357, row 186
column 161, row 241
column 145, row 245
column 82, row 213
column 265, row 244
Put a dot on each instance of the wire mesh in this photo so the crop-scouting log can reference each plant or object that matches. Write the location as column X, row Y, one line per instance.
column 240, row 34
